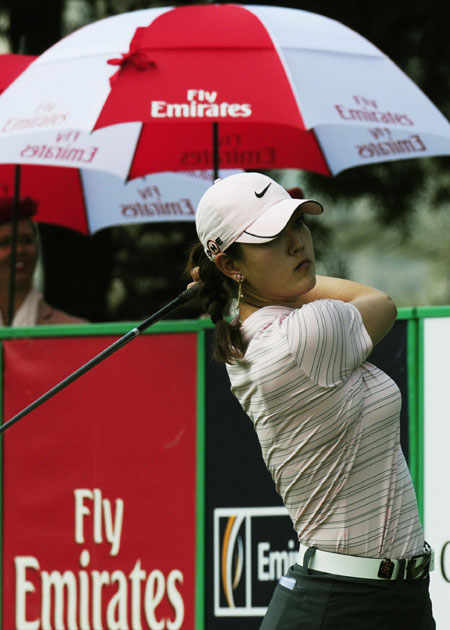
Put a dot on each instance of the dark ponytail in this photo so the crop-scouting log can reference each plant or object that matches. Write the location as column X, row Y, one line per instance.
column 216, row 291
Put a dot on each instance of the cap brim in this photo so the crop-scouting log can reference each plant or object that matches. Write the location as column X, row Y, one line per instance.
column 273, row 221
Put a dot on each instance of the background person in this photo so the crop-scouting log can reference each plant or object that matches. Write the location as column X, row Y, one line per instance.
column 30, row 308
column 326, row 419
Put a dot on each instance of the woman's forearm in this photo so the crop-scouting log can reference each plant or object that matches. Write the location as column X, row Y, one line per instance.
column 338, row 289
column 377, row 309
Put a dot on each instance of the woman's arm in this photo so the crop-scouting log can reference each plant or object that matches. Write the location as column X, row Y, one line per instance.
column 377, row 309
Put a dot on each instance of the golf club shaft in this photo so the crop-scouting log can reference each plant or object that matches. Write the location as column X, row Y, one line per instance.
column 132, row 334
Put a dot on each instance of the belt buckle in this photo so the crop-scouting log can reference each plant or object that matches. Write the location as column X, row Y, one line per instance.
column 414, row 572
column 386, row 569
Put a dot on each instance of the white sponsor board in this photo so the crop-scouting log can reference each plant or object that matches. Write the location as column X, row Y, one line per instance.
column 436, row 460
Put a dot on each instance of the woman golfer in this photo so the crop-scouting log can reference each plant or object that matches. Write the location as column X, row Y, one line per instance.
column 326, row 419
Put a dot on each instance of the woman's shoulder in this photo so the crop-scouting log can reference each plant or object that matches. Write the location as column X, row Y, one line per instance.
column 264, row 318
column 302, row 323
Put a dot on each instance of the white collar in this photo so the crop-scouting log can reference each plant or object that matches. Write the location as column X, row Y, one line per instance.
column 28, row 312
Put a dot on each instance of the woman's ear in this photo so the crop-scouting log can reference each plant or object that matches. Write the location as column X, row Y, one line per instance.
column 226, row 265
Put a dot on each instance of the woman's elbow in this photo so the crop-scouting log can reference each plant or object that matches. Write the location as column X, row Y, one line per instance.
column 379, row 312
column 391, row 308
column 382, row 318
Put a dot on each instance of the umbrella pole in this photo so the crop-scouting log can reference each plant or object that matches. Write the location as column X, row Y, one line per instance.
column 183, row 297
column 15, row 218
column 12, row 270
column 216, row 150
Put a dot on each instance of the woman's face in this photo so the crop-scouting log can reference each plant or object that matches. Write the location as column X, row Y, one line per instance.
column 26, row 254
column 281, row 271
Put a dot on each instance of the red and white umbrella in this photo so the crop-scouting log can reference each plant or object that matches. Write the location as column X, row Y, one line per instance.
column 285, row 87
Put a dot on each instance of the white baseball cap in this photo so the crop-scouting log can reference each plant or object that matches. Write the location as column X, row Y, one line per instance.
column 245, row 208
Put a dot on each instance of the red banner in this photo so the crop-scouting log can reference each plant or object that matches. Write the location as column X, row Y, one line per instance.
column 99, row 486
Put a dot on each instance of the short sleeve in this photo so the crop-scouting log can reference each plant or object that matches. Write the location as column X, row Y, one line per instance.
column 328, row 340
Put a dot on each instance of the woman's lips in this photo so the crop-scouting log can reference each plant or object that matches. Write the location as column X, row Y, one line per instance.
column 303, row 264
column 21, row 265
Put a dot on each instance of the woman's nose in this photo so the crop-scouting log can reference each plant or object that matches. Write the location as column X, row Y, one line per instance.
column 295, row 241
column 20, row 246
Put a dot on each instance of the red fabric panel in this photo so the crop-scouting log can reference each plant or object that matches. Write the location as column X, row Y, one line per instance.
column 222, row 52
column 57, row 189
column 214, row 26
column 182, row 146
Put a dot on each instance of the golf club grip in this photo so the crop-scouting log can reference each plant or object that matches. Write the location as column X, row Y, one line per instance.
column 132, row 334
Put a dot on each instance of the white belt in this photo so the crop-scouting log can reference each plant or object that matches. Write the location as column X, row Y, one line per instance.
column 370, row 568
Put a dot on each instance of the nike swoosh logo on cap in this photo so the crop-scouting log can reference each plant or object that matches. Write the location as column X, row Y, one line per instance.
column 263, row 192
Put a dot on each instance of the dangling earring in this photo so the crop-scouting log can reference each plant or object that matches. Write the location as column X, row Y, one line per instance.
column 240, row 279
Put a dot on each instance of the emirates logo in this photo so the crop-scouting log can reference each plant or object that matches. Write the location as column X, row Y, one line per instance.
column 200, row 104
